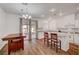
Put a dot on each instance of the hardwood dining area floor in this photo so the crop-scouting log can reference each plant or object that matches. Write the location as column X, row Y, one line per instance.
column 34, row 47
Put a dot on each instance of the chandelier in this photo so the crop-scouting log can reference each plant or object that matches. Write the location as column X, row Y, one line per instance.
column 25, row 16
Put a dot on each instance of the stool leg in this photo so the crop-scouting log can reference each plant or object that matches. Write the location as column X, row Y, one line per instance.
column 54, row 44
column 60, row 45
column 44, row 41
column 47, row 43
column 56, row 48
column 51, row 44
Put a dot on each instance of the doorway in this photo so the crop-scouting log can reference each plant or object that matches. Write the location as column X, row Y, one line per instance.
column 29, row 29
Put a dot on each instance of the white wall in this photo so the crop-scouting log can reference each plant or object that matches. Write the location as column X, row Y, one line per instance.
column 12, row 23
column 2, row 27
column 2, row 23
column 9, row 23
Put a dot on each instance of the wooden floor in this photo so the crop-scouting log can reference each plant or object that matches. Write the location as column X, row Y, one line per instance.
column 35, row 47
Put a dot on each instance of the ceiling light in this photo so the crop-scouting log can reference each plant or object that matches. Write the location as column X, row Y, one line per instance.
column 52, row 10
column 29, row 17
column 25, row 16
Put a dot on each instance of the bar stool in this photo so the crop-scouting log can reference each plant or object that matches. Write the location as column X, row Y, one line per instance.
column 55, row 41
column 46, row 38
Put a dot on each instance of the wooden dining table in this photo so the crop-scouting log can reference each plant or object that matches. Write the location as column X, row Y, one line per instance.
column 14, row 37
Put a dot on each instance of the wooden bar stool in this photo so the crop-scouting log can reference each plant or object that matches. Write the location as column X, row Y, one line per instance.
column 46, row 38
column 55, row 41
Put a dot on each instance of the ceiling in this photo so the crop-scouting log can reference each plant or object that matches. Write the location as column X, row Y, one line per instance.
column 40, row 10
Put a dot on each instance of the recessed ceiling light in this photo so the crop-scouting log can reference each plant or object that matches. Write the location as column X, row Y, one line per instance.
column 52, row 10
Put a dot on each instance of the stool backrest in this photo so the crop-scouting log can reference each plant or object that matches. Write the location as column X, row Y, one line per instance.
column 54, row 36
column 46, row 35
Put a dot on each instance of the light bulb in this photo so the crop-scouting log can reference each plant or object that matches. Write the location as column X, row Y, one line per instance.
column 29, row 17
column 52, row 10
column 23, row 16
